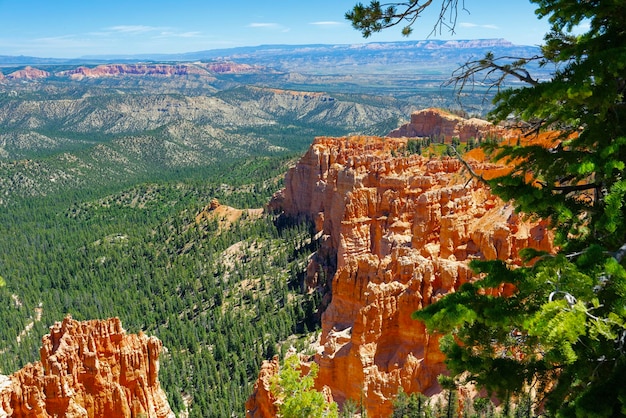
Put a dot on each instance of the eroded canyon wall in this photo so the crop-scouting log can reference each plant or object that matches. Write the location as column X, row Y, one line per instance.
column 88, row 369
column 400, row 230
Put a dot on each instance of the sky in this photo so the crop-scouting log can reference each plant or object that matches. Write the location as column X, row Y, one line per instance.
column 71, row 28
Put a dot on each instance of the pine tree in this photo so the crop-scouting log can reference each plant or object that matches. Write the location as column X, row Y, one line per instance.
column 297, row 397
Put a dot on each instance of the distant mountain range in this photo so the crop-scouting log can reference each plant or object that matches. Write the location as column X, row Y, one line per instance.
column 432, row 55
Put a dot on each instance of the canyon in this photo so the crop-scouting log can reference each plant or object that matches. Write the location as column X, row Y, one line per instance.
column 88, row 369
column 397, row 231
column 106, row 164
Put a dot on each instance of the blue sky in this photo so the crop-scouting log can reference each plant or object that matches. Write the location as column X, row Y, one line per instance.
column 70, row 28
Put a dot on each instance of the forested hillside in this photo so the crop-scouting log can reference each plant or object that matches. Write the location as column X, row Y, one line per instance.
column 220, row 298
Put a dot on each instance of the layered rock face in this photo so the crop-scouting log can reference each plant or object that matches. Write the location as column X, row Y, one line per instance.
column 231, row 68
column 397, row 235
column 111, row 70
column 88, row 369
column 436, row 123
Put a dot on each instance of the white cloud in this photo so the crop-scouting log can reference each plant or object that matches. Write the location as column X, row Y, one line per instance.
column 55, row 38
column 474, row 25
column 151, row 31
column 264, row 25
column 269, row 26
column 127, row 30
column 132, row 28
column 326, row 23
column 171, row 34
column 189, row 34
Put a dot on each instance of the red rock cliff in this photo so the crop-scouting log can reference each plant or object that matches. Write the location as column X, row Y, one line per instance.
column 88, row 369
column 437, row 123
column 398, row 233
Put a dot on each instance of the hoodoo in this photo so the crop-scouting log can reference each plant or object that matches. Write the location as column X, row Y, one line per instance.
column 88, row 369
column 397, row 233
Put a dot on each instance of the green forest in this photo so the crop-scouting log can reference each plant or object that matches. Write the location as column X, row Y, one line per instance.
column 137, row 253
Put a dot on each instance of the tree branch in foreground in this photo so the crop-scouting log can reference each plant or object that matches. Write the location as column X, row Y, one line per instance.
column 492, row 73
column 376, row 16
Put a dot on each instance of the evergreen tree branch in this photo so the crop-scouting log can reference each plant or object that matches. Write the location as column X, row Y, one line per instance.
column 467, row 166
column 376, row 16
column 492, row 72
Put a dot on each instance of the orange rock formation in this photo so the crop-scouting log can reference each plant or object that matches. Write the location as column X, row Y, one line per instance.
column 261, row 403
column 397, row 234
column 438, row 123
column 88, row 369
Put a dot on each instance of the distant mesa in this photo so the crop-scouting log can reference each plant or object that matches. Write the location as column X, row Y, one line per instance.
column 28, row 73
column 117, row 70
column 112, row 70
column 440, row 44
column 231, row 68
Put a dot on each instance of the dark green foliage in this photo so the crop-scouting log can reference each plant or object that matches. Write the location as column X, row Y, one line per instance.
column 483, row 407
column 417, row 405
column 350, row 408
column 584, row 173
column 414, row 146
column 414, row 405
column 567, row 311
column 449, row 386
column 376, row 16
